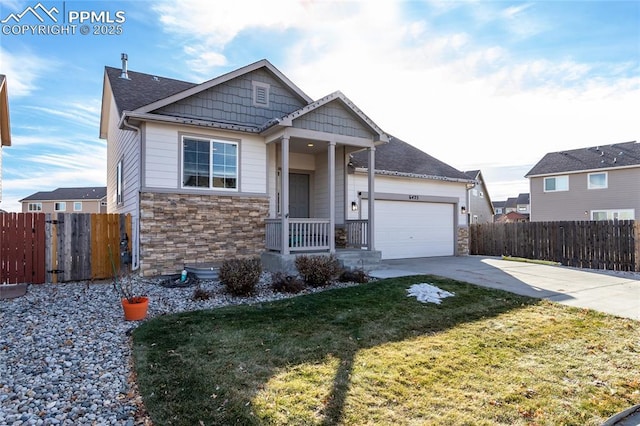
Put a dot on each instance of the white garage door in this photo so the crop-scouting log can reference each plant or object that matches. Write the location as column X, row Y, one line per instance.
column 413, row 229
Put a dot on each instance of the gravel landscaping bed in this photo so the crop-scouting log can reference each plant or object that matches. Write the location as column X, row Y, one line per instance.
column 65, row 354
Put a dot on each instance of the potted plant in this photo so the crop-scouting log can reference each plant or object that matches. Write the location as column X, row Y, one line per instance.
column 135, row 307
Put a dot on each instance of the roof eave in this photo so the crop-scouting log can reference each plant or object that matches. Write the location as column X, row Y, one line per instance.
column 573, row 172
column 415, row 175
column 136, row 118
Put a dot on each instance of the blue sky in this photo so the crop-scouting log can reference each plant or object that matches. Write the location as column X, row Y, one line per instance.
column 490, row 85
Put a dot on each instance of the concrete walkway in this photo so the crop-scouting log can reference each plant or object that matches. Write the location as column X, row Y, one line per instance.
column 609, row 292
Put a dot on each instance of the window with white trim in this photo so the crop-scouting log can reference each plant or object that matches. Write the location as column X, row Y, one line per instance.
column 34, row 207
column 597, row 180
column 60, row 206
column 621, row 214
column 209, row 164
column 77, row 206
column 556, row 183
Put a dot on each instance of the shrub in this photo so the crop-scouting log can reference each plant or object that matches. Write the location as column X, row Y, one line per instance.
column 201, row 294
column 240, row 276
column 317, row 271
column 357, row 276
column 286, row 283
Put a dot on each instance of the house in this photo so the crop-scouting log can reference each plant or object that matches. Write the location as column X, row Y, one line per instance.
column 523, row 204
column 480, row 208
column 512, row 217
column 594, row 183
column 499, row 208
column 67, row 200
column 248, row 164
column 5, row 127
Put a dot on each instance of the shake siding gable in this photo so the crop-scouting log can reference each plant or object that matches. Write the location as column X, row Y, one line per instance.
column 622, row 193
column 333, row 118
column 232, row 102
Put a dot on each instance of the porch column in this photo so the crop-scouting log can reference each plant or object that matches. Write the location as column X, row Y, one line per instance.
column 332, row 196
column 371, row 189
column 284, row 194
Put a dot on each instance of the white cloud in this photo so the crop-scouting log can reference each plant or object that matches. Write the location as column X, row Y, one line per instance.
column 456, row 99
column 23, row 71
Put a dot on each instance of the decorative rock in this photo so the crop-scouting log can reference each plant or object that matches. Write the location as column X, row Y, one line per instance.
column 60, row 364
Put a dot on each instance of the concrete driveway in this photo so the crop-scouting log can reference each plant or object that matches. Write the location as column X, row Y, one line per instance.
column 609, row 292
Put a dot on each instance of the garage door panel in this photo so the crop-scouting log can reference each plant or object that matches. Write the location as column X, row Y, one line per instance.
column 414, row 229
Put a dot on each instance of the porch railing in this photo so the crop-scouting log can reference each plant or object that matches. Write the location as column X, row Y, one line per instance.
column 304, row 234
column 357, row 233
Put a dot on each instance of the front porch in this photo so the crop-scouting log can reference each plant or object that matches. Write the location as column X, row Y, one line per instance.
column 314, row 235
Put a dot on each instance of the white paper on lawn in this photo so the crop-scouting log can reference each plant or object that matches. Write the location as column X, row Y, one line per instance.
column 427, row 293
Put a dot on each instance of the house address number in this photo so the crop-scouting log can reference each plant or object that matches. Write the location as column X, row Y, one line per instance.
column 414, row 197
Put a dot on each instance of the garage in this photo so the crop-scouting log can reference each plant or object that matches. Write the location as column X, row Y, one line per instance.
column 406, row 229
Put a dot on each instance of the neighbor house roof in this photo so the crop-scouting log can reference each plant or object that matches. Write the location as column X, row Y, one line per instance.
column 512, row 217
column 498, row 204
column 402, row 159
column 512, row 202
column 473, row 174
column 5, row 128
column 61, row 194
column 523, row 198
column 626, row 154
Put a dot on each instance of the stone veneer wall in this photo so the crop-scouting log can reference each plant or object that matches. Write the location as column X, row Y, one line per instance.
column 463, row 241
column 179, row 229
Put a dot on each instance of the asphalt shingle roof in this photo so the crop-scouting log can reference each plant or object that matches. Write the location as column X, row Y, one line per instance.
column 597, row 157
column 84, row 193
column 141, row 89
column 401, row 157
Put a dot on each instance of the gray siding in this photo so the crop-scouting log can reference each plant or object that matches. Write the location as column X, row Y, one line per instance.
column 479, row 206
column 333, row 118
column 623, row 192
column 232, row 102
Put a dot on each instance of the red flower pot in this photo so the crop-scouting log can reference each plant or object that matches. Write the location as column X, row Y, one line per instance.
column 137, row 310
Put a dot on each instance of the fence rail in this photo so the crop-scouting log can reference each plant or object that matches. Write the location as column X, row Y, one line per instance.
column 611, row 245
column 38, row 247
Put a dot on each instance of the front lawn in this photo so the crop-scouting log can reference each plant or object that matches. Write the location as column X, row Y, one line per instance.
column 371, row 355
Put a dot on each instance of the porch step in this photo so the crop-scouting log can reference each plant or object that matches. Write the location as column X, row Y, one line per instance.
column 359, row 259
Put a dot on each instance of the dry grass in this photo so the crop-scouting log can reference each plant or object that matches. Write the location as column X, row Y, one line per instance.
column 370, row 355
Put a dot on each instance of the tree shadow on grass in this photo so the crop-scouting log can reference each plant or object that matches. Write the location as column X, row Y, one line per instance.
column 209, row 365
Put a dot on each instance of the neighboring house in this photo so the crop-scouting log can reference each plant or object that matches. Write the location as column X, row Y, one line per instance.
column 523, row 204
column 5, row 127
column 499, row 208
column 595, row 183
column 480, row 208
column 247, row 164
column 512, row 217
column 511, row 205
column 67, row 200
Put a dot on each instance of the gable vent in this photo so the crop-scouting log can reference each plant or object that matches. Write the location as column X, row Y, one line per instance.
column 260, row 94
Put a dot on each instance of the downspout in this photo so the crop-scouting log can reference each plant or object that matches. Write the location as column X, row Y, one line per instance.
column 135, row 261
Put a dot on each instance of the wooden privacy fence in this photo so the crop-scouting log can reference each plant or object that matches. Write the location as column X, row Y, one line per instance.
column 38, row 247
column 612, row 245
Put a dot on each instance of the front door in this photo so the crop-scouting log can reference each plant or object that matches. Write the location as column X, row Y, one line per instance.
column 298, row 195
